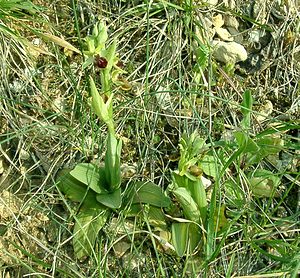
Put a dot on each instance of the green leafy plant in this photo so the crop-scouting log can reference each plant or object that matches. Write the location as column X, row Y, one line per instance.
column 197, row 161
column 253, row 149
column 189, row 190
column 98, row 189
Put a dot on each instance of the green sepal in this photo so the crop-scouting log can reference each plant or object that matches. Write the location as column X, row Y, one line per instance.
column 110, row 55
column 102, row 109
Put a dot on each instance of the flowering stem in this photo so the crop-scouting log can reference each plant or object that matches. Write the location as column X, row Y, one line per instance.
column 105, row 82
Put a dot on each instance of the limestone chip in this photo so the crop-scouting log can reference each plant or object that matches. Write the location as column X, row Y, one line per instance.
column 231, row 21
column 224, row 34
column 228, row 52
column 210, row 2
column 218, row 20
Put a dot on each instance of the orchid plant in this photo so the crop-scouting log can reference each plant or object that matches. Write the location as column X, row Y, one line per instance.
column 98, row 189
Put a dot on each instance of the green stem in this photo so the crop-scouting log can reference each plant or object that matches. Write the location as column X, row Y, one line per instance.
column 105, row 82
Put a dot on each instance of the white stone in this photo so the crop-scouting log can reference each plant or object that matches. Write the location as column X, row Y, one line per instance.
column 211, row 2
column 237, row 36
column 36, row 41
column 218, row 20
column 228, row 52
column 224, row 34
column 264, row 111
column 231, row 21
column 255, row 35
column 229, row 4
column 208, row 23
column 206, row 182
column 59, row 104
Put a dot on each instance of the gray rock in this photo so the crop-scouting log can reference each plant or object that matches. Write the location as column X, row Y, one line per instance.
column 231, row 21
column 228, row 52
column 237, row 36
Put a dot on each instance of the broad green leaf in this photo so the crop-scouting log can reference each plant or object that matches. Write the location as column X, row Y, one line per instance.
column 195, row 236
column 198, row 194
column 76, row 191
column 270, row 145
column 112, row 162
column 133, row 209
column 188, row 204
column 180, row 237
column 209, row 165
column 90, row 175
column 245, row 142
column 148, row 193
column 156, row 218
column 241, row 138
column 89, row 222
column 263, row 183
column 260, row 187
column 112, row 200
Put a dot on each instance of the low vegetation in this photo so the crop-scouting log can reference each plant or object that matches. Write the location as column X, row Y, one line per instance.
column 128, row 149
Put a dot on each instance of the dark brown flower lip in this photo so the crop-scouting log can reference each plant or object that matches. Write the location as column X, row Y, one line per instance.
column 100, row 62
